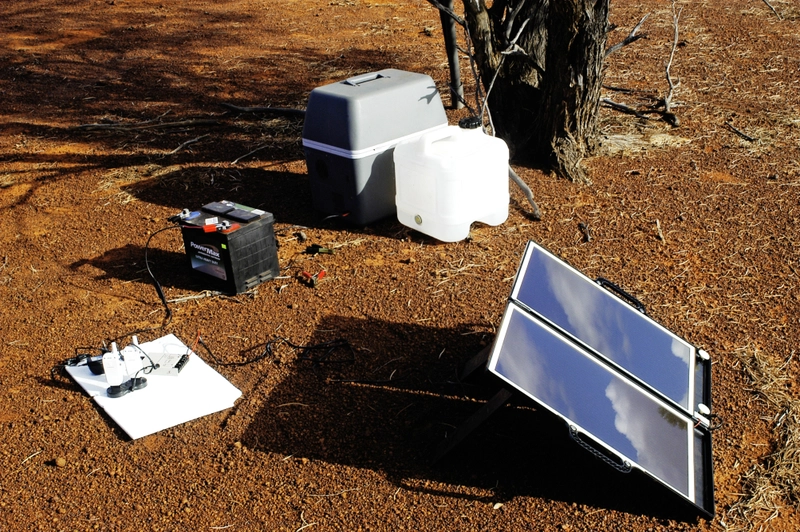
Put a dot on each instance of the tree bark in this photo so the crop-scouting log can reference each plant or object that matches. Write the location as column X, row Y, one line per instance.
column 542, row 63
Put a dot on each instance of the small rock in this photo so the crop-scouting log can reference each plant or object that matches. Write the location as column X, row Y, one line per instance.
column 61, row 461
column 237, row 444
column 497, row 506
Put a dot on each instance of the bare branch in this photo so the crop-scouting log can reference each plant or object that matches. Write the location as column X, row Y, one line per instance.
column 147, row 125
column 626, row 90
column 449, row 12
column 621, row 107
column 536, row 214
column 513, row 41
column 745, row 136
column 279, row 111
column 485, row 106
column 773, row 9
column 250, row 153
column 632, row 37
column 509, row 21
column 192, row 141
column 668, row 115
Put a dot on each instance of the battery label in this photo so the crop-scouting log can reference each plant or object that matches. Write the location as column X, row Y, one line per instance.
column 207, row 259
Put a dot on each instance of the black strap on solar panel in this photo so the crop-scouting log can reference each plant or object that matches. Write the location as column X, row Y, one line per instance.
column 623, row 466
column 605, row 283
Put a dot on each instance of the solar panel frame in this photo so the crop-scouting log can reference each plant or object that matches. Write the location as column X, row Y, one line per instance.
column 694, row 387
column 694, row 484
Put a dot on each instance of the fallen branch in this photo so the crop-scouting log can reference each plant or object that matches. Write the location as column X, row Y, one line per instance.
column 536, row 214
column 621, row 107
column 626, row 90
column 668, row 115
column 202, row 295
column 773, row 9
column 631, row 38
column 280, row 111
column 149, row 124
column 179, row 148
column 250, row 153
column 745, row 136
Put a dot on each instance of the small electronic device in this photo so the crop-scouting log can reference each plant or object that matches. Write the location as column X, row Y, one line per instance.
column 113, row 368
column 122, row 368
column 170, row 363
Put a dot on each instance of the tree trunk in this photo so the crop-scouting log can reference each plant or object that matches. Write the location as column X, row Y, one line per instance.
column 541, row 62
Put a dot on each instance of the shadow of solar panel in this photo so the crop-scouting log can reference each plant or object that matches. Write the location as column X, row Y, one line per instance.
column 630, row 390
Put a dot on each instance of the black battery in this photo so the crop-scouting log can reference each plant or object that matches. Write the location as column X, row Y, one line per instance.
column 232, row 246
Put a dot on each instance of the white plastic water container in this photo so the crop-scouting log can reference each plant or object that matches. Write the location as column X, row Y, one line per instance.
column 448, row 178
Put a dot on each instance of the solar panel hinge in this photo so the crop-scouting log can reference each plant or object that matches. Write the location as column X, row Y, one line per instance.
column 703, row 415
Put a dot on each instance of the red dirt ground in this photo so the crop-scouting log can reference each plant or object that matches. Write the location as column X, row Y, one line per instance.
column 302, row 449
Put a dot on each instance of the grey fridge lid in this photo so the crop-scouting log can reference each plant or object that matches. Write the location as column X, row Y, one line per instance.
column 365, row 114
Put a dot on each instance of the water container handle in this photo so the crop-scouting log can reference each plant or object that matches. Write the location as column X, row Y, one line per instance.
column 437, row 134
column 355, row 81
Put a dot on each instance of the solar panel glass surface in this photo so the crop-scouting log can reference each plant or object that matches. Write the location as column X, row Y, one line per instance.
column 630, row 421
column 606, row 324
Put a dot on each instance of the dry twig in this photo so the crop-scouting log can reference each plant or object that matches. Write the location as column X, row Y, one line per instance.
column 250, row 153
column 148, row 124
column 659, row 233
column 306, row 524
column 632, row 37
column 621, row 107
column 740, row 133
column 204, row 294
column 773, row 9
column 179, row 148
column 669, row 116
column 277, row 111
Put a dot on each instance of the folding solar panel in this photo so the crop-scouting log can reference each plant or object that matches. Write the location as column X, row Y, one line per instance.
column 625, row 385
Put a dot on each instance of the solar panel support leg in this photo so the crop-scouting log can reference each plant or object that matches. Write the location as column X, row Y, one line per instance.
column 477, row 362
column 475, row 420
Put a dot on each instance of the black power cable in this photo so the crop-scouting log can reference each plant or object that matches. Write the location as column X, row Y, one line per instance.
column 156, row 284
column 308, row 353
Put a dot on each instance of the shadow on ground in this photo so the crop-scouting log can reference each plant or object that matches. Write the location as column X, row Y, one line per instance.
column 391, row 407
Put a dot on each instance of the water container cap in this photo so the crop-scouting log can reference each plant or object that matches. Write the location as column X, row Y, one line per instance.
column 471, row 122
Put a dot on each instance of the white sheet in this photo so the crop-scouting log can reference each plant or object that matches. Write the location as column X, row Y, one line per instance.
column 167, row 400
